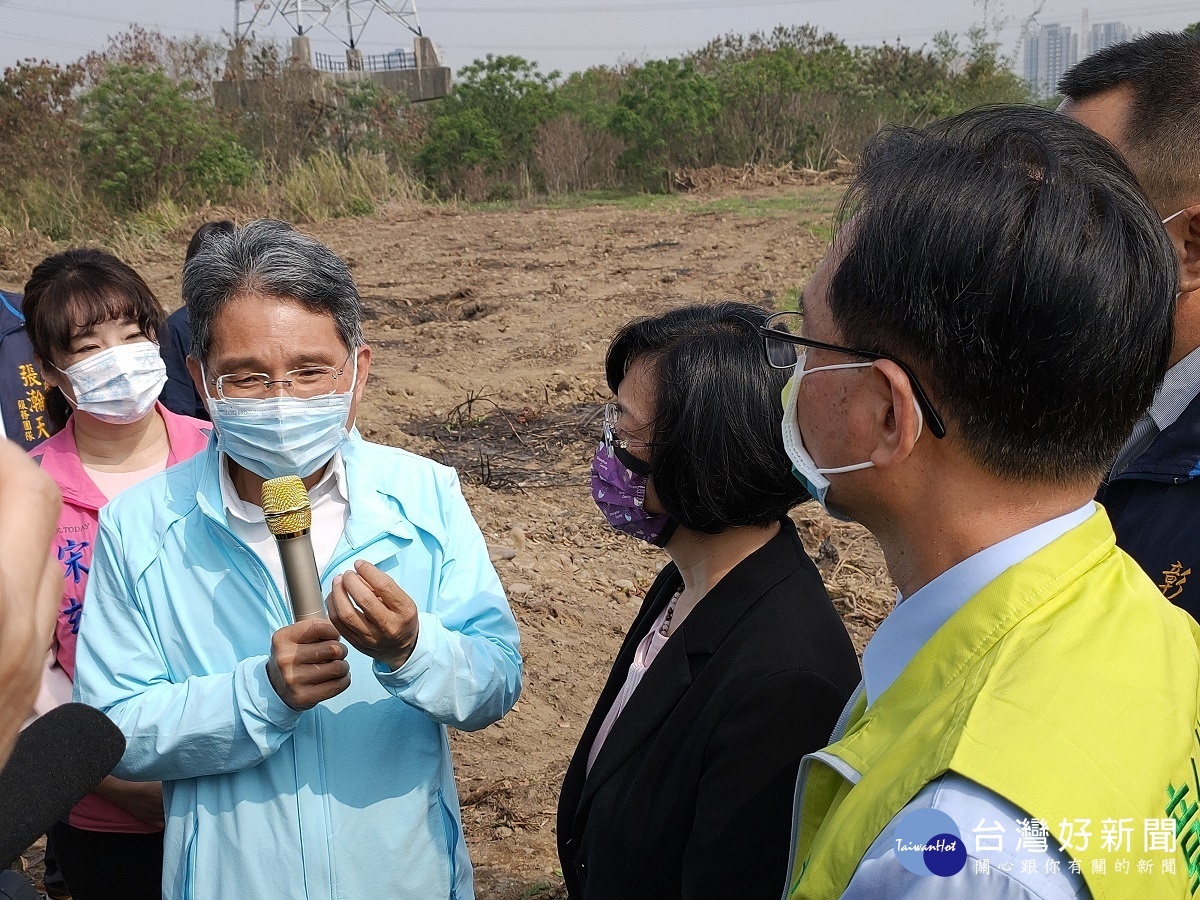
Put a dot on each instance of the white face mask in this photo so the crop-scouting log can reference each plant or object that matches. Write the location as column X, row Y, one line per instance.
column 1175, row 215
column 118, row 385
column 804, row 467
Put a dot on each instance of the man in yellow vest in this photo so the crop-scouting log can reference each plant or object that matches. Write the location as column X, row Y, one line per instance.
column 991, row 321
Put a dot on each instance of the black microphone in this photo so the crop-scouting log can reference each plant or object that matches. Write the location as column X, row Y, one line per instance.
column 57, row 761
column 289, row 517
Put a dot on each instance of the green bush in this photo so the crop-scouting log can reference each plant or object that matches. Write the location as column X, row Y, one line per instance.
column 665, row 109
column 489, row 123
column 146, row 138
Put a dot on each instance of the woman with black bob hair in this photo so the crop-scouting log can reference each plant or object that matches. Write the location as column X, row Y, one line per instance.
column 737, row 664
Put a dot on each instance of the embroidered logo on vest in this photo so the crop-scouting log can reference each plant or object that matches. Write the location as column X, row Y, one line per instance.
column 1174, row 578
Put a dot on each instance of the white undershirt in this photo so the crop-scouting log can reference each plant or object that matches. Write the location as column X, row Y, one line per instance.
column 330, row 510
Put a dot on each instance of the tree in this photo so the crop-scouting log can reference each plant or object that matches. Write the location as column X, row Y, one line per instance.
column 575, row 151
column 194, row 63
column 500, row 101
column 1194, row 28
column 146, row 138
column 460, row 143
column 39, row 131
column 366, row 118
column 512, row 96
column 665, row 108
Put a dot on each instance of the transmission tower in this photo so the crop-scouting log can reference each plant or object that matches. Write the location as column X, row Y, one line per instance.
column 344, row 19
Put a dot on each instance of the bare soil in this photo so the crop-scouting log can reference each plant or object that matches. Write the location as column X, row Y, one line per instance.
column 489, row 329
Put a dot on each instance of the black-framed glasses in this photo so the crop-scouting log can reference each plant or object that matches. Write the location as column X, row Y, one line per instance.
column 781, row 339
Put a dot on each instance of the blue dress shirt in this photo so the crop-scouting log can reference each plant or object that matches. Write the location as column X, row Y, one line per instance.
column 991, row 827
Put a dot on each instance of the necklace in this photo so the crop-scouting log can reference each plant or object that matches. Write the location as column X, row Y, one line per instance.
column 665, row 630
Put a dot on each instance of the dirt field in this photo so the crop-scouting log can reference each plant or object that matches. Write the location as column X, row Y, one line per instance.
column 489, row 329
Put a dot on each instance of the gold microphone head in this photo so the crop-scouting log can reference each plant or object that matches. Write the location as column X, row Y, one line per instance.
column 285, row 505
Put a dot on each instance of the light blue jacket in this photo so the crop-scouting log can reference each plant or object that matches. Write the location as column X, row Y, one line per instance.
column 352, row 799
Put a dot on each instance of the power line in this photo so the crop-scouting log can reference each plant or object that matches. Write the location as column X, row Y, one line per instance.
column 86, row 17
column 621, row 8
column 632, row 47
column 12, row 35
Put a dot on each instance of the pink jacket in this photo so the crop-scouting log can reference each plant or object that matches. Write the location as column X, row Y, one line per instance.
column 76, row 538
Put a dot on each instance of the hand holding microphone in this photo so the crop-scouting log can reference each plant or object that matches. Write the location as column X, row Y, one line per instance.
column 286, row 507
column 308, row 661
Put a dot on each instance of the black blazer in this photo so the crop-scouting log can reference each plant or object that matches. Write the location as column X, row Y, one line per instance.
column 691, row 794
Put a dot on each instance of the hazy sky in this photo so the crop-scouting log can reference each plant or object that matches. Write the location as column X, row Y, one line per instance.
column 566, row 35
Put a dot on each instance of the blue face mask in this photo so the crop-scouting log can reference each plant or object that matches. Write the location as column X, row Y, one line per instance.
column 282, row 435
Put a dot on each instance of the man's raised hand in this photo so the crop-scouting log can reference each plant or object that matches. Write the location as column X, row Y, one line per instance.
column 374, row 614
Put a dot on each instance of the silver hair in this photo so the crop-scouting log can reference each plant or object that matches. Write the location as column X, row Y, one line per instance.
column 270, row 258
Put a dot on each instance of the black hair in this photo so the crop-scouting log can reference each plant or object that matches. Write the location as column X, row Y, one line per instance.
column 1009, row 257
column 717, row 459
column 204, row 232
column 1161, row 71
column 79, row 289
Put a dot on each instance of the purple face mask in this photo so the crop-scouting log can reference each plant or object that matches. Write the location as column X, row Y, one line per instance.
column 620, row 492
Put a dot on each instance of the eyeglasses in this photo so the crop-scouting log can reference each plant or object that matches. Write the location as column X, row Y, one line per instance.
column 612, row 415
column 303, row 383
column 620, row 448
column 780, row 336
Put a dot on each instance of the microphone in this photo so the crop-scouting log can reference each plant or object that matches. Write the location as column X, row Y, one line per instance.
column 57, row 760
column 289, row 517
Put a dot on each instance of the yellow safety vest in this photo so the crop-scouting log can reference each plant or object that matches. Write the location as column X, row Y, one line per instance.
column 1068, row 686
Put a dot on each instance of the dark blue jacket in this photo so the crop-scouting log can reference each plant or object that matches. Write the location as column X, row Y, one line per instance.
column 1155, row 509
column 179, row 394
column 22, row 391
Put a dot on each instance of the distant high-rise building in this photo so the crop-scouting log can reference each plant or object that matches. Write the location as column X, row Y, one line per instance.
column 1106, row 34
column 1049, row 52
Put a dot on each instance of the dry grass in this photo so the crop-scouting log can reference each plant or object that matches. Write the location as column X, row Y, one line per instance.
column 757, row 175
column 323, row 187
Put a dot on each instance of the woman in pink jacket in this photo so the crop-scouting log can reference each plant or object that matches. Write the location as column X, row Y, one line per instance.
column 93, row 323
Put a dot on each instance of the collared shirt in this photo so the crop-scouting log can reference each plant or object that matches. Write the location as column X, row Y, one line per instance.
column 1179, row 388
column 1011, row 873
column 330, row 511
column 915, row 620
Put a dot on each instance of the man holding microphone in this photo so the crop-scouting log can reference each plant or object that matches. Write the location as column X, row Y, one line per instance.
column 295, row 765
